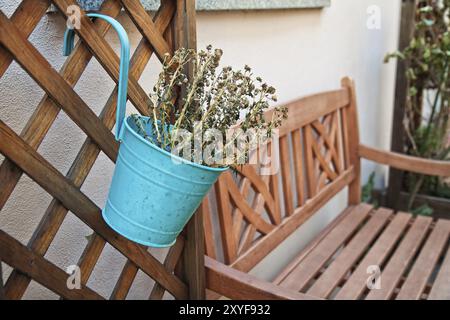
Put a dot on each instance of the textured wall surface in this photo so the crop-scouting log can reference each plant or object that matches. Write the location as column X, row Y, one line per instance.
column 226, row 4
column 298, row 51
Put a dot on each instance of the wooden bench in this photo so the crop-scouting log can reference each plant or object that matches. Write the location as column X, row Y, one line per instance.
column 320, row 156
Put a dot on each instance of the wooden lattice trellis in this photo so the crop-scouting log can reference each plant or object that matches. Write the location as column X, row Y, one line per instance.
column 172, row 26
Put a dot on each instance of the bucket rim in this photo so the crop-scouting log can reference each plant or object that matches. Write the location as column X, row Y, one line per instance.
column 164, row 152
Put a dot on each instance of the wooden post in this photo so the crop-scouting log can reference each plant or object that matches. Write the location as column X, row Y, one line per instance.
column 401, row 95
column 354, row 192
column 194, row 250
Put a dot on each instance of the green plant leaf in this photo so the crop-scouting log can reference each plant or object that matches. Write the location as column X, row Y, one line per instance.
column 423, row 210
column 367, row 191
column 412, row 91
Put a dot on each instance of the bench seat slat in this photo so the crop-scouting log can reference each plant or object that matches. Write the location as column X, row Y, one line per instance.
column 349, row 255
column 311, row 264
column 441, row 287
column 311, row 245
column 357, row 282
column 402, row 257
column 418, row 277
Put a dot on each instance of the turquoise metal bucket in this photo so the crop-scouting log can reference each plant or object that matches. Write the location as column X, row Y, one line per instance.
column 151, row 197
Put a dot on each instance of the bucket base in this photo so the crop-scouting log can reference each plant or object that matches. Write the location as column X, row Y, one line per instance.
column 125, row 234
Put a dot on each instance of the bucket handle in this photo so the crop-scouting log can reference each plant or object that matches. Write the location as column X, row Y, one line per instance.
column 69, row 37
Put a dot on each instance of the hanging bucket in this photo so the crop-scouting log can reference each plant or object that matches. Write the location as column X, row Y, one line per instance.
column 151, row 197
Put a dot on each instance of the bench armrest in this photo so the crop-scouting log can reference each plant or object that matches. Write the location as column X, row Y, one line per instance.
column 405, row 162
column 238, row 285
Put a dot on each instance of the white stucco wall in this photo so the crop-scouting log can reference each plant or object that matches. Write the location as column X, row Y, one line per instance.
column 298, row 51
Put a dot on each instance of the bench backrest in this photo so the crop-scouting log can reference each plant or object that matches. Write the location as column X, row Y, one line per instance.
column 318, row 158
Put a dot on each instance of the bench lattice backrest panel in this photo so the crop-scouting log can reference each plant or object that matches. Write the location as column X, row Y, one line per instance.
column 256, row 212
column 21, row 156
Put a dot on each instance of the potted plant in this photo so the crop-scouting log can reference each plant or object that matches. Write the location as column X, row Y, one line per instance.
column 168, row 162
column 426, row 122
column 198, row 128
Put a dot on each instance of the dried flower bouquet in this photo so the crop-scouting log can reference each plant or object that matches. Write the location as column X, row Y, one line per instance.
column 214, row 100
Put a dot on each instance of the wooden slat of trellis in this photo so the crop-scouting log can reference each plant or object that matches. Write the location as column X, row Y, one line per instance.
column 26, row 17
column 90, row 256
column 51, row 180
column 125, row 281
column 173, row 256
column 55, row 86
column 106, row 56
column 65, row 190
column 44, row 272
column 146, row 26
column 47, row 111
